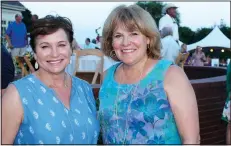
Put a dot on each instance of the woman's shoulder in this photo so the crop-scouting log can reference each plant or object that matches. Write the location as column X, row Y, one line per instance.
column 77, row 80
column 80, row 83
column 24, row 80
column 176, row 74
column 163, row 64
column 108, row 73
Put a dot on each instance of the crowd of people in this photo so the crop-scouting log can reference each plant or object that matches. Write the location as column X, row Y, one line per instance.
column 142, row 98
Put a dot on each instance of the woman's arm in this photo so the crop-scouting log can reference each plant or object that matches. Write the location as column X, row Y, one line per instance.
column 203, row 58
column 12, row 114
column 184, row 105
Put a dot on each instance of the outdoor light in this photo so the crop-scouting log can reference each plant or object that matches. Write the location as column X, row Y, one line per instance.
column 222, row 50
column 211, row 50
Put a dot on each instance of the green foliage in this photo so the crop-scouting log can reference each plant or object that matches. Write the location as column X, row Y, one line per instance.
column 186, row 34
column 201, row 33
column 225, row 30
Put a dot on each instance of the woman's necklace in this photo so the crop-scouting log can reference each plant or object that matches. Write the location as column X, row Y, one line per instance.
column 128, row 108
column 52, row 85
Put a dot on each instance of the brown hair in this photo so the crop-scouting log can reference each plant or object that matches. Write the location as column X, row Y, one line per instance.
column 132, row 17
column 49, row 25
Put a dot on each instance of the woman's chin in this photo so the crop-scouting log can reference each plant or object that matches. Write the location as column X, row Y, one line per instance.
column 56, row 70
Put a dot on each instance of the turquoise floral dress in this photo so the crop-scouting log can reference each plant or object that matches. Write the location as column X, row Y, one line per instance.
column 226, row 110
column 137, row 113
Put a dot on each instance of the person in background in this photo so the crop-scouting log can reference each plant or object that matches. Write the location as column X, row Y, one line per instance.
column 226, row 111
column 93, row 41
column 198, row 57
column 183, row 48
column 88, row 44
column 16, row 36
column 223, row 63
column 208, row 61
column 7, row 71
column 29, row 49
column 75, row 45
column 97, row 33
column 169, row 20
column 184, row 51
column 50, row 106
column 170, row 49
column 143, row 99
column 98, row 42
column 34, row 18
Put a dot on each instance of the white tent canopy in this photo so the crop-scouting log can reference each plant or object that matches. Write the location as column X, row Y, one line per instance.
column 214, row 39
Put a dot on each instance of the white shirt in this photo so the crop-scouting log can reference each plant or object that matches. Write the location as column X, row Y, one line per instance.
column 98, row 45
column 170, row 48
column 89, row 46
column 168, row 21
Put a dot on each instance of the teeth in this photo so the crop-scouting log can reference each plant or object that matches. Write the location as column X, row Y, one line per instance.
column 128, row 50
column 53, row 62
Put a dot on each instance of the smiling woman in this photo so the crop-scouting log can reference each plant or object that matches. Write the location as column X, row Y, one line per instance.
column 143, row 99
column 50, row 106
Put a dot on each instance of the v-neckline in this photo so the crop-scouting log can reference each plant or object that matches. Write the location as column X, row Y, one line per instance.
column 54, row 92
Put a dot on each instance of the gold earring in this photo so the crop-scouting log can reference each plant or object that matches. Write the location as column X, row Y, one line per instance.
column 148, row 46
column 112, row 54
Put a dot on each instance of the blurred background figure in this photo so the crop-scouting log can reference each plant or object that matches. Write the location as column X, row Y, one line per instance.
column 7, row 71
column 93, row 41
column 198, row 57
column 170, row 48
column 98, row 42
column 88, row 44
column 184, row 51
column 16, row 36
column 169, row 20
column 226, row 110
column 183, row 48
column 223, row 63
column 34, row 17
column 75, row 45
column 208, row 61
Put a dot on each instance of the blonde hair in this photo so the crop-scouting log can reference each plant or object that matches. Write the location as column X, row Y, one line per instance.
column 131, row 17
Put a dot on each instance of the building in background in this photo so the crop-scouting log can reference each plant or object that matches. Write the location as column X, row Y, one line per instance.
column 9, row 10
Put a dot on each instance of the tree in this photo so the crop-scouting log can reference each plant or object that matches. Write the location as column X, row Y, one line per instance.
column 186, row 35
column 201, row 33
column 27, row 19
column 155, row 9
column 226, row 31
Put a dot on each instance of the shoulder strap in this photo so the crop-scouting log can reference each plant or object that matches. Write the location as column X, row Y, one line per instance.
column 110, row 72
column 161, row 68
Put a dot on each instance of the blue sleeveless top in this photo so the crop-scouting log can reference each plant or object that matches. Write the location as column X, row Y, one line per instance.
column 141, row 114
column 48, row 121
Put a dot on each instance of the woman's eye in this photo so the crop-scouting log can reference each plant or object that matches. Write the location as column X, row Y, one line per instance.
column 44, row 47
column 62, row 45
column 117, row 36
column 134, row 33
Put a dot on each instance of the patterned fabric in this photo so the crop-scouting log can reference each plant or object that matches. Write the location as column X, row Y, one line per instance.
column 144, row 115
column 226, row 111
column 48, row 121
